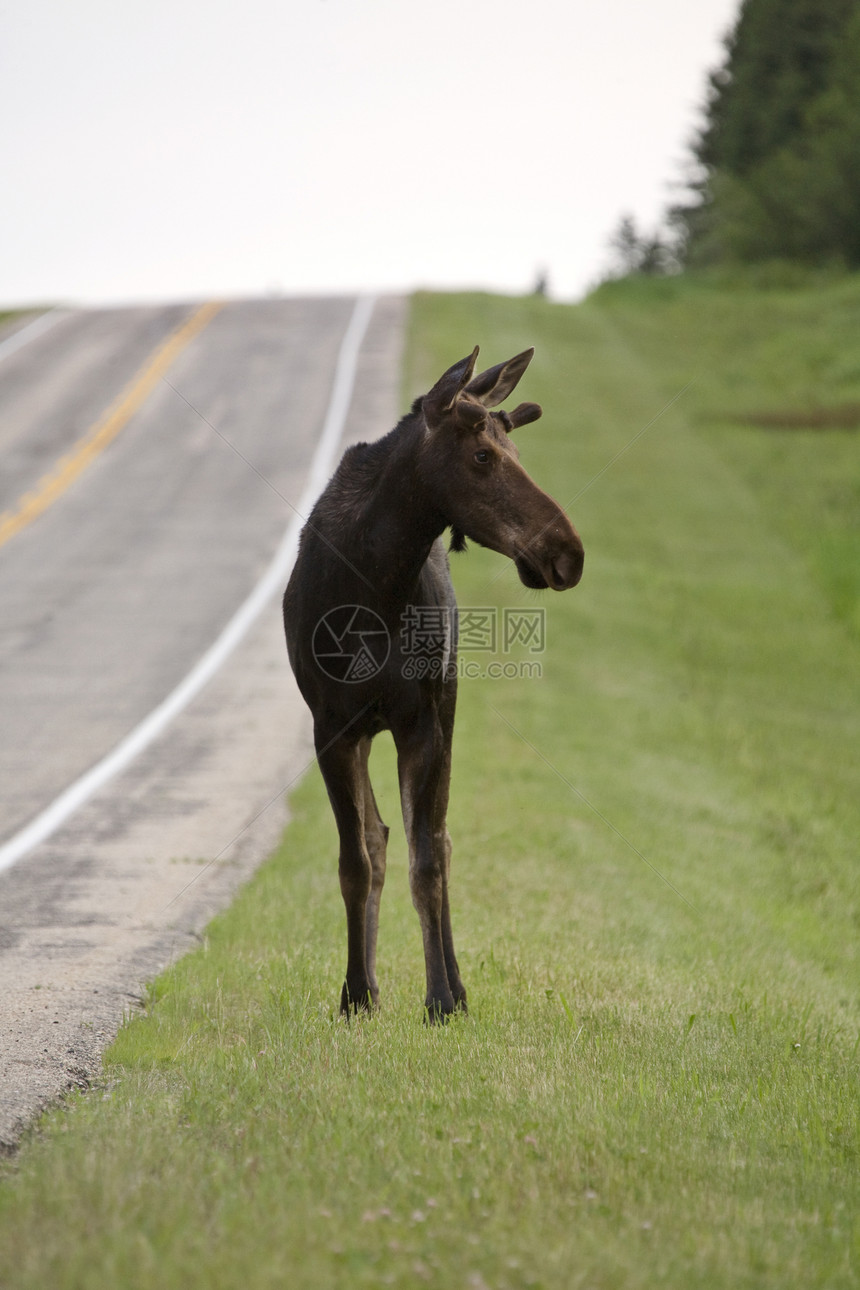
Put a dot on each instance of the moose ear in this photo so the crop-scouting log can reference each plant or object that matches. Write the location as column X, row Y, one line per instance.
column 494, row 385
column 523, row 414
column 444, row 393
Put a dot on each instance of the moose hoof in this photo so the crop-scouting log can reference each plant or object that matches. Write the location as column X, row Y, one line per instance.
column 355, row 1000
column 438, row 1011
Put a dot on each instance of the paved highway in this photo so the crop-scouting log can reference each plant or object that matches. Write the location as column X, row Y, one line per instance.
column 151, row 460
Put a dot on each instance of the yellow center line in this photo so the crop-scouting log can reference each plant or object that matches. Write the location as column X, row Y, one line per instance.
column 73, row 463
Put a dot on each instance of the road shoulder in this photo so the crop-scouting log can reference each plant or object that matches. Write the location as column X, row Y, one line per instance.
column 129, row 884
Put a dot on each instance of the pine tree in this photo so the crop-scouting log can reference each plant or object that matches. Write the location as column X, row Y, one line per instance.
column 635, row 252
column 780, row 147
column 780, row 55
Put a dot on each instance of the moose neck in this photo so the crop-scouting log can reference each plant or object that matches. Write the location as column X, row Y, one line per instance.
column 399, row 522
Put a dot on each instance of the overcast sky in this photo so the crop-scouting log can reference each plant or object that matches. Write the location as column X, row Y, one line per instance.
column 170, row 149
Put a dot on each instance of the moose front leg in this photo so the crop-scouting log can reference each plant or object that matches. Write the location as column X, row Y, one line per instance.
column 343, row 770
column 447, row 708
column 451, row 966
column 375, row 841
column 422, row 767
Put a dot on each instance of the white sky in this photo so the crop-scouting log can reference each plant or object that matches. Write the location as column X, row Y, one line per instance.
column 166, row 149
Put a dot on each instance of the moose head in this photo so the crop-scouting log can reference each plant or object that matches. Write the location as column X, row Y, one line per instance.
column 472, row 469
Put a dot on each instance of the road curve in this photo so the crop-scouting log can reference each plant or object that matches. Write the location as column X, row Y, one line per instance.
column 110, row 595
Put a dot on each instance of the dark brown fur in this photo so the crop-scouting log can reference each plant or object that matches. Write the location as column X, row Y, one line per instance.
column 373, row 540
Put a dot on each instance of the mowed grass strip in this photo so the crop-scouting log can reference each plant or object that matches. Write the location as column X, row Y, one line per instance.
column 655, row 890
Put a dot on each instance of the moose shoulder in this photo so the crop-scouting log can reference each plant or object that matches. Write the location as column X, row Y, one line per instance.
column 370, row 560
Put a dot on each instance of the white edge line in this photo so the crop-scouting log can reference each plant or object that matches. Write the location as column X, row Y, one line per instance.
column 31, row 330
column 272, row 581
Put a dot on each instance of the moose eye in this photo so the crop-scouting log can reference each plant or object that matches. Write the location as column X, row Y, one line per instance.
column 482, row 456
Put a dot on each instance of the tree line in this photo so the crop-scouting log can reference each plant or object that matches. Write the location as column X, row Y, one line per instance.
column 777, row 160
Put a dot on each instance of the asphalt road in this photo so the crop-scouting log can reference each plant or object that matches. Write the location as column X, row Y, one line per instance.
column 150, row 463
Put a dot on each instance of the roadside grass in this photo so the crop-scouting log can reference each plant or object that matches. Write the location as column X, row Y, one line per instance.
column 655, row 889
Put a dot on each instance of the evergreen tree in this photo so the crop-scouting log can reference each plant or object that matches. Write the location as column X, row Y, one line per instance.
column 780, row 147
column 636, row 252
column 779, row 59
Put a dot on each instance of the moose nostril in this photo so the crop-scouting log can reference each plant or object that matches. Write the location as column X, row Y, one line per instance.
column 566, row 570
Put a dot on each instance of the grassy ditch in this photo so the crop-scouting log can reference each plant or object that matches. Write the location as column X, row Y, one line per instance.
column 655, row 888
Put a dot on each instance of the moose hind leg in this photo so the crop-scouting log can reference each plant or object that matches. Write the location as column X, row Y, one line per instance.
column 342, row 770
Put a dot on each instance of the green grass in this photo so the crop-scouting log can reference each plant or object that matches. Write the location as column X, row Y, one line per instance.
column 655, row 889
